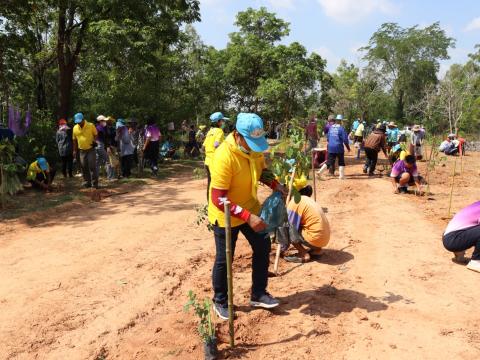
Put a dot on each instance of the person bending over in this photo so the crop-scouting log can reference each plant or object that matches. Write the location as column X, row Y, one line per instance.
column 40, row 174
column 404, row 174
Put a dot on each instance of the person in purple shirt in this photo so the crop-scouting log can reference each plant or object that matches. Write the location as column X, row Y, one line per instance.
column 405, row 173
column 329, row 124
column 151, row 148
column 337, row 138
column 462, row 233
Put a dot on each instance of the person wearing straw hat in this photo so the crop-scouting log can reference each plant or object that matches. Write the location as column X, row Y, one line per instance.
column 337, row 138
column 236, row 169
column 84, row 134
column 215, row 136
column 392, row 135
column 416, row 142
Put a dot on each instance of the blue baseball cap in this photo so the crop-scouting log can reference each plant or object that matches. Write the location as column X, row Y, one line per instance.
column 217, row 117
column 42, row 162
column 120, row 123
column 78, row 118
column 250, row 126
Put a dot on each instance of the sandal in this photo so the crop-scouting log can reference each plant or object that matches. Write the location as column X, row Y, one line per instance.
column 295, row 259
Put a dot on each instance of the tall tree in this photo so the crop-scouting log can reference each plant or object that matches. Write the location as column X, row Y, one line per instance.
column 407, row 59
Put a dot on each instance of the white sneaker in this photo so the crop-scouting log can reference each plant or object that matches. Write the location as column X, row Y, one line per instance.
column 474, row 265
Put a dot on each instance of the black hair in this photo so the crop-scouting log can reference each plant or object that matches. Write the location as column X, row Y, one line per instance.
column 149, row 120
column 306, row 191
column 192, row 126
column 410, row 159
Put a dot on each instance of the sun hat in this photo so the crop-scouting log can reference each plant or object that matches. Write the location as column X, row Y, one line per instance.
column 101, row 118
column 217, row 117
column 62, row 122
column 331, row 117
column 339, row 117
column 42, row 163
column 392, row 124
column 250, row 126
column 78, row 118
column 416, row 128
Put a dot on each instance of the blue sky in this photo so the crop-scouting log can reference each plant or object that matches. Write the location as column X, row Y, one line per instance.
column 337, row 28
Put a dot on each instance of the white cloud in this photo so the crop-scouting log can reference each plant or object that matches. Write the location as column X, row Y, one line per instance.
column 332, row 60
column 348, row 11
column 473, row 25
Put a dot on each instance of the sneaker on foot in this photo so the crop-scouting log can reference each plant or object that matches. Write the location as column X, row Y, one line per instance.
column 265, row 301
column 474, row 265
column 221, row 311
column 402, row 189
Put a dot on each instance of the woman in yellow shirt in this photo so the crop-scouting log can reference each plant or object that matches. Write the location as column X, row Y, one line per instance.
column 213, row 139
column 236, row 170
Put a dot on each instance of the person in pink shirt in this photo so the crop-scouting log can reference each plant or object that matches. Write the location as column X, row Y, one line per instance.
column 462, row 233
column 151, row 148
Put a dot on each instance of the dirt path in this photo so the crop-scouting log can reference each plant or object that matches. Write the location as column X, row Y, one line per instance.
column 109, row 280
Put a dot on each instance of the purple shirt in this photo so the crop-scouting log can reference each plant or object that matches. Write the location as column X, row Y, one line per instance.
column 465, row 218
column 399, row 168
column 153, row 133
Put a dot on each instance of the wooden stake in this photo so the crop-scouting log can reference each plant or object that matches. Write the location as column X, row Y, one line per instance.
column 451, row 189
column 228, row 250
column 427, row 176
column 314, row 177
column 277, row 254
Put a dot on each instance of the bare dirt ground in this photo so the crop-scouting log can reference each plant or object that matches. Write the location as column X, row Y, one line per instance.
column 108, row 280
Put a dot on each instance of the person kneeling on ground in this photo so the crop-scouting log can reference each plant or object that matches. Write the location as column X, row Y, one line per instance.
column 462, row 233
column 376, row 141
column 236, row 169
column 405, row 173
column 309, row 228
column 40, row 174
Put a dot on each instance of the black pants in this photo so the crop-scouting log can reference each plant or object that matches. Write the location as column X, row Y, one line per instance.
column 209, row 180
column 44, row 179
column 151, row 154
column 371, row 160
column 261, row 247
column 331, row 161
column 67, row 165
column 462, row 240
column 126, row 163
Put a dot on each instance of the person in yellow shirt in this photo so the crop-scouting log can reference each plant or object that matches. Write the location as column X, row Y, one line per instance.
column 40, row 174
column 84, row 134
column 310, row 229
column 213, row 139
column 236, row 170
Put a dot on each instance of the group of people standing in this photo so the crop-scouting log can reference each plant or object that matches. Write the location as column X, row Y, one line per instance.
column 114, row 145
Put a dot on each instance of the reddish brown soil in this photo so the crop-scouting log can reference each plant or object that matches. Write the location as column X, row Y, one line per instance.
column 108, row 280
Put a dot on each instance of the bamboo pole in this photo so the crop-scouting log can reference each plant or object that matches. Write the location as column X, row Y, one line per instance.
column 451, row 189
column 314, row 177
column 228, row 249
column 429, row 164
column 277, row 254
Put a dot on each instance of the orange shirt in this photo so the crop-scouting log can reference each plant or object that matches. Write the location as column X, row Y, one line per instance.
column 310, row 220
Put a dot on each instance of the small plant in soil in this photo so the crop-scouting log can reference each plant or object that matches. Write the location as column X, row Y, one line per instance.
column 202, row 216
column 206, row 329
column 293, row 156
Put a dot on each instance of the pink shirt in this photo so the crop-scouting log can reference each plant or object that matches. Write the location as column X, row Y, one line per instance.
column 153, row 133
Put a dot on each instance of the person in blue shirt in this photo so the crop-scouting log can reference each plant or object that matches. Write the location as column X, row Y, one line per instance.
column 337, row 138
column 392, row 135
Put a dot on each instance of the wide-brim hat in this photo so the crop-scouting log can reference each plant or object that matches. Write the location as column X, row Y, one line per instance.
column 339, row 117
column 416, row 128
column 101, row 118
column 250, row 126
column 392, row 124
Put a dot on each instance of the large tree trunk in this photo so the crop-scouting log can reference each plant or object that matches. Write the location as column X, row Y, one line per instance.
column 67, row 53
column 400, row 106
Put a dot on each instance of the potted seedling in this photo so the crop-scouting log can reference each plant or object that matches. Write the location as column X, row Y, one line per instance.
column 206, row 329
